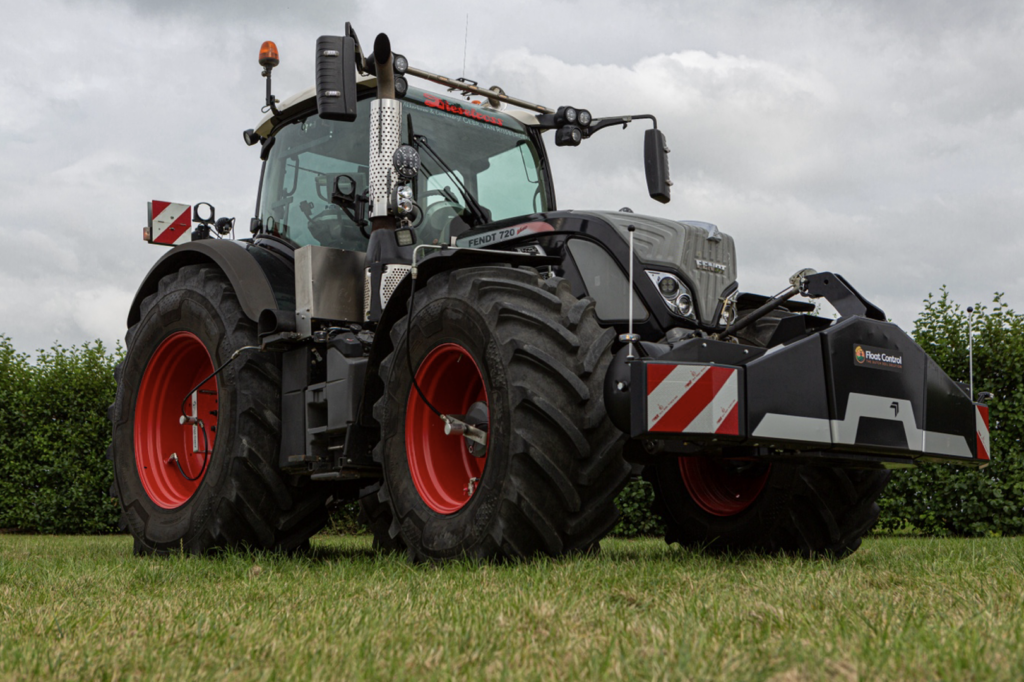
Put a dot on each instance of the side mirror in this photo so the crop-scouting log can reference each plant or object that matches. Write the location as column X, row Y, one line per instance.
column 336, row 78
column 659, row 183
column 344, row 190
column 344, row 196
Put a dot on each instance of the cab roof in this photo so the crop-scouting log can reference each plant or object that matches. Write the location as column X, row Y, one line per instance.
column 517, row 118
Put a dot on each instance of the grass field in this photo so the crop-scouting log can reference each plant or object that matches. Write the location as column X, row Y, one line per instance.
column 900, row 608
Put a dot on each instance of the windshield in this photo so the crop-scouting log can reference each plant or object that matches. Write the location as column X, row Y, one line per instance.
column 489, row 153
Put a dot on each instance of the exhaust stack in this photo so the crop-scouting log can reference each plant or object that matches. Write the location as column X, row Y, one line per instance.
column 385, row 133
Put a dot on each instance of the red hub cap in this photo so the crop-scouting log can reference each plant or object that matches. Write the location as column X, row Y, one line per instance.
column 443, row 469
column 722, row 487
column 168, row 453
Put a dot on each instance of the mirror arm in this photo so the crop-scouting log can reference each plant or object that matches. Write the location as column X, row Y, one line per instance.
column 353, row 206
column 601, row 123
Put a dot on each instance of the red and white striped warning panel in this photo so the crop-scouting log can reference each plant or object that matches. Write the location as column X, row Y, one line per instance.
column 981, row 418
column 169, row 223
column 693, row 399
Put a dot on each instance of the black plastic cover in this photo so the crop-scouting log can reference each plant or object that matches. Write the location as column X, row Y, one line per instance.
column 336, row 78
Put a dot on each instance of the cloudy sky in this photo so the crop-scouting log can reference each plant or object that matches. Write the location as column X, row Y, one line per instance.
column 881, row 140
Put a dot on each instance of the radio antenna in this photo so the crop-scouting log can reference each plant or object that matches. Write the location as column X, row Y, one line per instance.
column 630, row 338
column 970, row 348
column 465, row 46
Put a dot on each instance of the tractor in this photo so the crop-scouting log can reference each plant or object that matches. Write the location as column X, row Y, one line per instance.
column 416, row 325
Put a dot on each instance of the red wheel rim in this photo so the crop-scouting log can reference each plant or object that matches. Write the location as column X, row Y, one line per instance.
column 441, row 465
column 179, row 363
column 718, row 487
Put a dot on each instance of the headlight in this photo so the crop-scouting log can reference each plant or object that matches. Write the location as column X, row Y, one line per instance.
column 404, row 192
column 675, row 294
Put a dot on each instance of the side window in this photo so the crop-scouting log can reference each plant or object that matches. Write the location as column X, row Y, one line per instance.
column 307, row 157
column 510, row 183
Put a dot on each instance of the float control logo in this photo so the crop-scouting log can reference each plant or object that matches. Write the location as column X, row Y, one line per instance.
column 877, row 358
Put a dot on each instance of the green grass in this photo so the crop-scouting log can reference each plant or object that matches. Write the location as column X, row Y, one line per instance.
column 900, row 608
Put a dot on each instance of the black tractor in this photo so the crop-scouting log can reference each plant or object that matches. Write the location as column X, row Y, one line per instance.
column 415, row 324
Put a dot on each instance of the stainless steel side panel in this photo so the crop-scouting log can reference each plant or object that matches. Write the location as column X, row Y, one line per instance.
column 328, row 286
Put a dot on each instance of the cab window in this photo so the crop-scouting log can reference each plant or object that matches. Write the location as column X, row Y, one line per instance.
column 305, row 160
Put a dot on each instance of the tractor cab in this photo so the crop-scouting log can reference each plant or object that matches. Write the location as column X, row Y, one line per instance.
column 478, row 165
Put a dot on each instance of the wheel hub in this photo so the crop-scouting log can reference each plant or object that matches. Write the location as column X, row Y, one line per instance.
column 172, row 449
column 447, row 455
column 723, row 487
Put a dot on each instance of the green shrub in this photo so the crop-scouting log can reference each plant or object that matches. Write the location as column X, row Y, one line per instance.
column 635, row 516
column 54, row 475
column 950, row 500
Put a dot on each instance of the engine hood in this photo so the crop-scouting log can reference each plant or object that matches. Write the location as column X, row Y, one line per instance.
column 704, row 255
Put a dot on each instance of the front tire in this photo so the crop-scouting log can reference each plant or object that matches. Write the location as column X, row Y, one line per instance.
column 195, row 488
column 535, row 357
column 782, row 507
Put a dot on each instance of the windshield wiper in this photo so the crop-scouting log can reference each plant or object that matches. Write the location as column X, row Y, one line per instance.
column 478, row 211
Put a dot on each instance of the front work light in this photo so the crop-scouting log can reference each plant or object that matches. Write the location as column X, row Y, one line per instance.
column 568, row 136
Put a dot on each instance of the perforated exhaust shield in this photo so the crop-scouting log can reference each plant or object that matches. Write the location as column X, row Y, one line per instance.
column 385, row 131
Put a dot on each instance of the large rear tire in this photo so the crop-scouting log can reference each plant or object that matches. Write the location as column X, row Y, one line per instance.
column 778, row 508
column 192, row 488
column 533, row 357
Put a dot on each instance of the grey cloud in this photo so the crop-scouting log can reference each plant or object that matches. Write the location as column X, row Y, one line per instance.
column 879, row 139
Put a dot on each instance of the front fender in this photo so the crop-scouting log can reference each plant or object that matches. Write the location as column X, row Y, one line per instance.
column 248, row 279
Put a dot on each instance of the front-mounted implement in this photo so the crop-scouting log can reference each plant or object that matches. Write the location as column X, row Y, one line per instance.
column 415, row 324
column 854, row 391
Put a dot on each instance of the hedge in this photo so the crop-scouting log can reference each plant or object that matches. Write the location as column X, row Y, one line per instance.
column 949, row 500
column 54, row 475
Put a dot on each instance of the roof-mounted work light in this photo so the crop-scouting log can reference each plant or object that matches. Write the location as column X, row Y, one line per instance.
column 568, row 136
column 566, row 116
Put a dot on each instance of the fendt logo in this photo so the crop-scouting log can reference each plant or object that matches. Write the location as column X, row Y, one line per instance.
column 710, row 266
column 879, row 358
